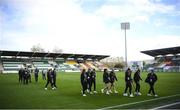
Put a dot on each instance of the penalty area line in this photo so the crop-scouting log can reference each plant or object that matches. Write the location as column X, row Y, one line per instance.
column 127, row 104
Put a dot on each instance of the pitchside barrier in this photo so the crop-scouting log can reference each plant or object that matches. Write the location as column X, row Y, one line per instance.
column 166, row 69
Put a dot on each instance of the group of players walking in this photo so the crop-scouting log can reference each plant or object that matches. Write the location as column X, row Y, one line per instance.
column 51, row 78
column 25, row 76
column 88, row 78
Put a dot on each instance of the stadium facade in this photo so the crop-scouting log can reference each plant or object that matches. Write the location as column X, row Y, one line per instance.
column 12, row 61
column 166, row 59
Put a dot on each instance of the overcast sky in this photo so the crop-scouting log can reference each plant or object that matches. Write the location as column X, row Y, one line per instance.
column 90, row 26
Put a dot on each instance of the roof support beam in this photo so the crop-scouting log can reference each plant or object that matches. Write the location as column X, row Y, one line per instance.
column 1, row 53
column 47, row 54
column 33, row 54
column 17, row 53
column 70, row 56
column 58, row 56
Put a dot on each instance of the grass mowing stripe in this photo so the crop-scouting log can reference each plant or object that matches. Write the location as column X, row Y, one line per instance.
column 161, row 107
column 165, row 97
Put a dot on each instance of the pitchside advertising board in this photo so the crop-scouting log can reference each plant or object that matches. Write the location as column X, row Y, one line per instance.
column 125, row 25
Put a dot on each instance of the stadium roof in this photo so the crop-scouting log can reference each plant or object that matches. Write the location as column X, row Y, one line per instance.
column 163, row 51
column 52, row 55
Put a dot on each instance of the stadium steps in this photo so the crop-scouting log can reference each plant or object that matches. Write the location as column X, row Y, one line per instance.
column 86, row 65
column 42, row 65
column 1, row 67
column 82, row 66
column 12, row 67
column 91, row 65
column 71, row 62
column 100, row 65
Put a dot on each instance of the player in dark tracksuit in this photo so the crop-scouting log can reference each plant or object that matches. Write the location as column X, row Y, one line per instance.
column 36, row 71
column 20, row 73
column 43, row 75
column 54, row 78
column 25, row 76
column 151, row 80
column 49, row 79
column 106, row 80
column 93, row 80
column 84, row 79
column 137, row 79
column 128, row 81
column 29, row 75
column 89, row 81
column 113, row 79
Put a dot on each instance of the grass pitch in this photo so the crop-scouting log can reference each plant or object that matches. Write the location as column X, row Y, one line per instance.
column 68, row 95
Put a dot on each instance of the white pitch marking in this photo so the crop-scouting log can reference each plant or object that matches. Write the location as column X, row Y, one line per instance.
column 168, row 105
column 138, row 102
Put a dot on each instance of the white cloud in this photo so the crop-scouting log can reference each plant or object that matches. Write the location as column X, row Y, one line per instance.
column 64, row 24
column 159, row 22
column 60, row 23
column 141, row 10
column 135, row 45
column 141, row 18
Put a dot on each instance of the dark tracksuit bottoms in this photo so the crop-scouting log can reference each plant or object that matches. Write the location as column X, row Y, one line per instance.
column 36, row 77
column 151, row 88
column 128, row 81
column 29, row 77
column 84, row 82
column 25, row 77
column 93, row 79
column 84, row 86
column 94, row 84
column 20, row 75
column 49, row 80
column 128, row 85
column 54, row 80
column 137, row 86
column 89, row 84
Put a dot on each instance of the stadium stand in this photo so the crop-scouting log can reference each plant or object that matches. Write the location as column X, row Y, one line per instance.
column 12, row 61
column 167, row 59
column 73, row 65
column 67, row 68
column 90, row 63
column 52, row 63
column 71, row 62
column 87, row 66
column 11, row 67
column 99, row 65
column 1, row 67
column 83, row 66
column 42, row 65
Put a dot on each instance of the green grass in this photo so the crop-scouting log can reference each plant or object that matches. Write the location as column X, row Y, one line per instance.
column 68, row 96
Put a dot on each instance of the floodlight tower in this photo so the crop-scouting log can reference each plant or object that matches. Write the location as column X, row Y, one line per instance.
column 125, row 26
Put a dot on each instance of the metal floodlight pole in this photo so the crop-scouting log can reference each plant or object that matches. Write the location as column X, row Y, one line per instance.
column 125, row 50
column 125, row 26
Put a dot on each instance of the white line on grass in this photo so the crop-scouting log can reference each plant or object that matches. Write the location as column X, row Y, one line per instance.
column 122, row 105
column 160, row 107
